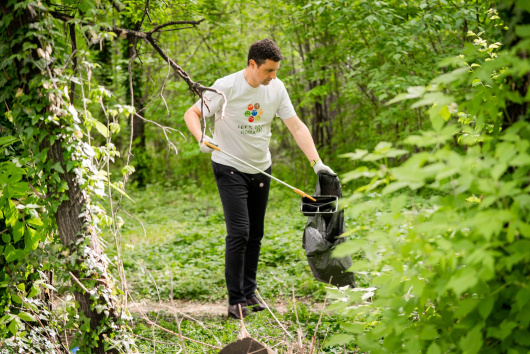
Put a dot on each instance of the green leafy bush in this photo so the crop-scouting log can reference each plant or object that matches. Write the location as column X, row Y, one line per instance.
column 451, row 273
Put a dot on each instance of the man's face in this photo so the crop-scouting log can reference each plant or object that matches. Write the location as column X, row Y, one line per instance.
column 265, row 72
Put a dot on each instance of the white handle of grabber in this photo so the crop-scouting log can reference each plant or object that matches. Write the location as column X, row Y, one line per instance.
column 298, row 191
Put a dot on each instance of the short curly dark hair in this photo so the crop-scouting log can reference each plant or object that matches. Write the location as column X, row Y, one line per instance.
column 263, row 50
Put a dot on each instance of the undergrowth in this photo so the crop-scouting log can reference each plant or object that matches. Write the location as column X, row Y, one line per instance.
column 181, row 253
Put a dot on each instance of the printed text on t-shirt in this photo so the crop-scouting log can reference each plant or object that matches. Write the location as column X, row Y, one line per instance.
column 250, row 129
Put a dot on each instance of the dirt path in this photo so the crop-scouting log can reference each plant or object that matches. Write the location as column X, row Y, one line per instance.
column 200, row 309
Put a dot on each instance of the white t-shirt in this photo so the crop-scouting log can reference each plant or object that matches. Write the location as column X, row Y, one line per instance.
column 245, row 130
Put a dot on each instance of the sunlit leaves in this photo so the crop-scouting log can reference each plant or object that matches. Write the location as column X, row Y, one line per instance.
column 454, row 258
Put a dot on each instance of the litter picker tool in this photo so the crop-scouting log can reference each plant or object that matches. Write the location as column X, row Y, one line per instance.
column 298, row 191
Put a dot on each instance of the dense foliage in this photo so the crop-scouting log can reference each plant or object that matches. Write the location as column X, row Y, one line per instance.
column 452, row 271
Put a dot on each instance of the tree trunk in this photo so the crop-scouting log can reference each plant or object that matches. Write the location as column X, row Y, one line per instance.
column 71, row 216
column 72, row 228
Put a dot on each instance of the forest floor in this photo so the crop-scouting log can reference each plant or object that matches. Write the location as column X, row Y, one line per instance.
column 174, row 265
column 208, row 309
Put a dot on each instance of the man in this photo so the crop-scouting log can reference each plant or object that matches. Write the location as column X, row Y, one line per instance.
column 254, row 97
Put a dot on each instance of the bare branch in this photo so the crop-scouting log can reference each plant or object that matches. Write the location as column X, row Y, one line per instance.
column 74, row 52
column 172, row 23
column 134, row 218
column 37, row 193
column 268, row 308
column 146, row 12
column 78, row 282
column 195, row 87
column 118, row 5
column 164, row 130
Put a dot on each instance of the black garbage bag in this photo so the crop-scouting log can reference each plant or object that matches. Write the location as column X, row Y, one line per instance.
column 321, row 235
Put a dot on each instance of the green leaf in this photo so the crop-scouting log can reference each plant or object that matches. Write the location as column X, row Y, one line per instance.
column 353, row 327
column 102, row 129
column 398, row 203
column 15, row 326
column 523, row 4
column 339, row 339
column 16, row 299
column 17, row 190
column 11, row 213
column 451, row 77
column 395, row 186
column 15, row 177
column 6, row 238
column 357, row 155
column 32, row 239
column 18, row 231
column 429, row 332
column 522, row 298
column 472, row 342
column 348, row 247
column 57, row 167
column 486, row 306
column 435, row 116
column 503, row 331
column 10, row 253
column 7, row 140
column 120, row 190
column 444, row 112
column 434, row 349
column 463, row 280
column 26, row 317
column 397, row 98
column 34, row 291
column 520, row 160
column 6, row 318
column 86, row 5
column 34, row 222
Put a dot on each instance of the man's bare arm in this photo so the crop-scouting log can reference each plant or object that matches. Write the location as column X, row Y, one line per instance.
column 192, row 117
column 302, row 136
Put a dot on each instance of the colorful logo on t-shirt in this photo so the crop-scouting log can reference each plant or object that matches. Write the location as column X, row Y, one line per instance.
column 253, row 112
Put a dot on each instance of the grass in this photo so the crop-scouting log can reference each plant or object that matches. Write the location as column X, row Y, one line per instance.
column 182, row 251
column 181, row 256
column 219, row 332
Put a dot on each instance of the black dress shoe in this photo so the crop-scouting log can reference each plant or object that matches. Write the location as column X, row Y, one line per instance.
column 255, row 304
column 233, row 311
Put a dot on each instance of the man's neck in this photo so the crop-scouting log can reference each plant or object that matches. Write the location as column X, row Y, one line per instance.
column 248, row 77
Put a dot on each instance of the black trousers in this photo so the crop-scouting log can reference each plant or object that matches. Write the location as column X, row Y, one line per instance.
column 244, row 197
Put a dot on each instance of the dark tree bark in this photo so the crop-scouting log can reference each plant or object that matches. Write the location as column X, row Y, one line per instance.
column 140, row 159
column 71, row 228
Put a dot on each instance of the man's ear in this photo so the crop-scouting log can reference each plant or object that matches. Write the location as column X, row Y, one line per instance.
column 252, row 63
